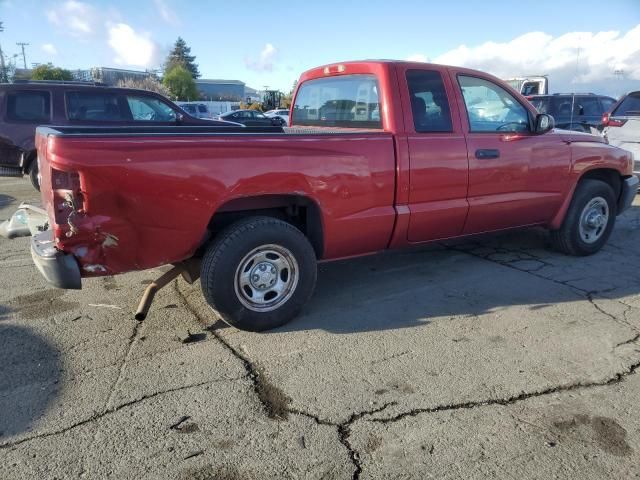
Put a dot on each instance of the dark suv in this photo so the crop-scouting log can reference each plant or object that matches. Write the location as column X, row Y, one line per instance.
column 24, row 106
column 574, row 111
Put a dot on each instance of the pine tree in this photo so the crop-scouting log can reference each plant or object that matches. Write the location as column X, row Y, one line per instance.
column 181, row 55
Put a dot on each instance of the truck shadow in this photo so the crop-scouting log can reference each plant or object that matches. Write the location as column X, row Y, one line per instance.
column 410, row 288
column 29, row 375
column 6, row 200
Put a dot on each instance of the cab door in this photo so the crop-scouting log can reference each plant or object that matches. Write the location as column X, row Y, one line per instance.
column 516, row 177
column 439, row 167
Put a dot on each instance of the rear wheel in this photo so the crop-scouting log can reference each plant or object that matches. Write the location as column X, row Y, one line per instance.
column 33, row 175
column 589, row 220
column 259, row 273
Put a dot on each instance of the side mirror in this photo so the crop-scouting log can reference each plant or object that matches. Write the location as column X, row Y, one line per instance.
column 544, row 123
column 179, row 118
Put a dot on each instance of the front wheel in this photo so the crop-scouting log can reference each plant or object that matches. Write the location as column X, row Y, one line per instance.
column 589, row 220
column 259, row 273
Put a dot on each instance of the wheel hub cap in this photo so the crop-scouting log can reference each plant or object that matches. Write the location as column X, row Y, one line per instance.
column 266, row 278
column 594, row 219
column 263, row 275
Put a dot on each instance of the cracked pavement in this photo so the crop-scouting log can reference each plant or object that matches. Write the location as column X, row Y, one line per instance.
column 486, row 358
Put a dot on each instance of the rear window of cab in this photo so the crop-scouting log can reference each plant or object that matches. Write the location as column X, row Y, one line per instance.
column 349, row 101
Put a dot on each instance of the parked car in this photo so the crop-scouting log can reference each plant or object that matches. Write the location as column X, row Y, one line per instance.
column 250, row 118
column 622, row 126
column 581, row 112
column 25, row 105
column 251, row 214
column 198, row 110
column 280, row 113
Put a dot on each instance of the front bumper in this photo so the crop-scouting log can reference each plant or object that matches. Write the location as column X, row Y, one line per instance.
column 58, row 268
column 629, row 191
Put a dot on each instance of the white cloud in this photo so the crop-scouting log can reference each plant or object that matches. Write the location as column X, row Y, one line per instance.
column 132, row 48
column 49, row 48
column 167, row 13
column 266, row 60
column 75, row 18
column 417, row 57
column 577, row 61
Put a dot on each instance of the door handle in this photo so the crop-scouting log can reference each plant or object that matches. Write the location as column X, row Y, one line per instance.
column 486, row 153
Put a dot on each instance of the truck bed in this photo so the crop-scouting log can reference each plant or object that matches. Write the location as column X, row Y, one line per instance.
column 145, row 196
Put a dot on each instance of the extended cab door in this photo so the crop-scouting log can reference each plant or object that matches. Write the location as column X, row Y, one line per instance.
column 516, row 177
column 437, row 154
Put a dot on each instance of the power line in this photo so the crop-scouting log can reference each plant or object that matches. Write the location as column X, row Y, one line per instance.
column 24, row 57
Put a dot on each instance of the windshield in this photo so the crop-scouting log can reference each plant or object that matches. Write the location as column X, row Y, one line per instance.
column 629, row 106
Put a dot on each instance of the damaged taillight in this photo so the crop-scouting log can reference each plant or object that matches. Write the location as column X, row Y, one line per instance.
column 67, row 201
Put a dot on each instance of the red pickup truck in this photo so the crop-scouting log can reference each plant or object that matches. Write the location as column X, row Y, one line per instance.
column 380, row 155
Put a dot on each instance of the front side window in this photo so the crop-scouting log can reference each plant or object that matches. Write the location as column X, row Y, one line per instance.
column 429, row 103
column 147, row 109
column 490, row 108
column 202, row 108
column 28, row 106
column 100, row 107
column 349, row 101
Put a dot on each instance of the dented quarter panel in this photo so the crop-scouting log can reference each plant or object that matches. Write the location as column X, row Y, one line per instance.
column 147, row 201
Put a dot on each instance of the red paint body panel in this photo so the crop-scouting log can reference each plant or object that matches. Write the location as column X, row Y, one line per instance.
column 145, row 200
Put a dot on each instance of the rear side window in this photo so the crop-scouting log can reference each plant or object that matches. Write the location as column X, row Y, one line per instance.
column 100, row 107
column 588, row 106
column 29, row 106
column 607, row 103
column 349, row 101
column 429, row 104
column 629, row 106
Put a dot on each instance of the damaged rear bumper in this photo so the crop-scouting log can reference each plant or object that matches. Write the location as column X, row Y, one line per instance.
column 58, row 268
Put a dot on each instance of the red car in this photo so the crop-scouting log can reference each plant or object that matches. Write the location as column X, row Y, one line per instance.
column 381, row 155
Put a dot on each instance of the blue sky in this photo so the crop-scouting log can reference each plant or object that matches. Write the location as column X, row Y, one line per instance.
column 271, row 43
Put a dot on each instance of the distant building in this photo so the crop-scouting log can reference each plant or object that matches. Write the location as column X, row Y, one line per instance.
column 22, row 73
column 109, row 76
column 221, row 90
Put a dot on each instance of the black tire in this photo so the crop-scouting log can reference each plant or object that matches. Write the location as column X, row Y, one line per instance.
column 229, row 250
column 33, row 175
column 567, row 238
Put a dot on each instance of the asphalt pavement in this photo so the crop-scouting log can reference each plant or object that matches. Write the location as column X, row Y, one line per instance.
column 489, row 358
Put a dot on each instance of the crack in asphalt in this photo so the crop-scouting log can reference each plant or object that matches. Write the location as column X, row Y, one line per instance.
column 587, row 294
column 275, row 402
column 280, row 410
column 109, row 411
column 616, row 378
column 132, row 340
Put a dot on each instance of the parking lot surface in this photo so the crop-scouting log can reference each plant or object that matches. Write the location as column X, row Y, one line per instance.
column 486, row 358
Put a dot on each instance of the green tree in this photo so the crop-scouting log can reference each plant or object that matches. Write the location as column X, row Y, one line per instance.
column 150, row 83
column 181, row 56
column 181, row 84
column 49, row 72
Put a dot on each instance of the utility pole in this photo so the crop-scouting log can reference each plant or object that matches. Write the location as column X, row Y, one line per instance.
column 3, row 68
column 24, row 57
